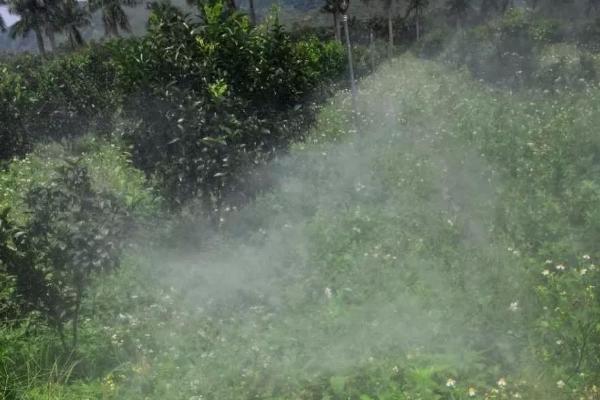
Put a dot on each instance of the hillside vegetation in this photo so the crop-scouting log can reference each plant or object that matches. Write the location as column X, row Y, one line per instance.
column 205, row 212
column 446, row 250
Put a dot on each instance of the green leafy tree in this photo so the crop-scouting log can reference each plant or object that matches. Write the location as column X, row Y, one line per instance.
column 225, row 96
column 74, row 233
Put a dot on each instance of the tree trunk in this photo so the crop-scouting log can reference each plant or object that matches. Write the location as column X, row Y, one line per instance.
column 390, row 28
column 51, row 39
column 372, row 47
column 418, row 17
column 40, row 40
column 75, row 322
column 350, row 64
column 486, row 8
column 336, row 27
column 61, row 334
column 252, row 12
column 231, row 5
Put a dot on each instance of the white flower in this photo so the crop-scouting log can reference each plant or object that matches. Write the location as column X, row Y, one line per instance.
column 517, row 395
column 514, row 306
column 559, row 342
column 450, row 383
column 501, row 382
column 586, row 257
column 560, row 384
column 545, row 272
column 583, row 271
column 328, row 293
column 472, row 392
column 560, row 267
column 396, row 370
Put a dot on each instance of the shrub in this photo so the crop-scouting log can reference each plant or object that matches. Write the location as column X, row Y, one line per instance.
column 589, row 36
column 14, row 103
column 73, row 234
column 569, row 333
column 229, row 97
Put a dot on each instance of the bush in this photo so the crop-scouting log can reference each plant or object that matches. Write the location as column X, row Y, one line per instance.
column 569, row 334
column 14, row 103
column 229, row 97
column 73, row 233
column 505, row 51
column 588, row 37
column 199, row 96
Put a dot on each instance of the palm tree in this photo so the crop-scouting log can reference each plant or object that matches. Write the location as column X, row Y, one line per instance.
column 506, row 4
column 53, row 22
column 458, row 9
column 2, row 23
column 252, row 12
column 114, row 17
column 593, row 5
column 418, row 6
column 73, row 17
column 32, row 18
column 332, row 7
column 488, row 7
column 388, row 6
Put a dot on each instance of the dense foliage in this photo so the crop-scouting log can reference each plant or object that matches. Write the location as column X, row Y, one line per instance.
column 190, row 215
column 223, row 98
column 194, row 94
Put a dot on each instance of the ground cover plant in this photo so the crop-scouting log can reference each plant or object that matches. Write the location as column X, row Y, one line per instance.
column 445, row 250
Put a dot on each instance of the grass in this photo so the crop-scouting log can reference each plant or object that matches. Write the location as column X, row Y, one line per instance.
column 418, row 259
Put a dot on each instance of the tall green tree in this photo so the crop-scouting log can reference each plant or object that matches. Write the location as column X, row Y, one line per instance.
column 388, row 6
column 73, row 18
column 54, row 21
column 418, row 7
column 33, row 17
column 332, row 7
column 114, row 17
column 506, row 4
column 2, row 23
column 74, row 234
column 457, row 10
column 252, row 11
column 489, row 8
